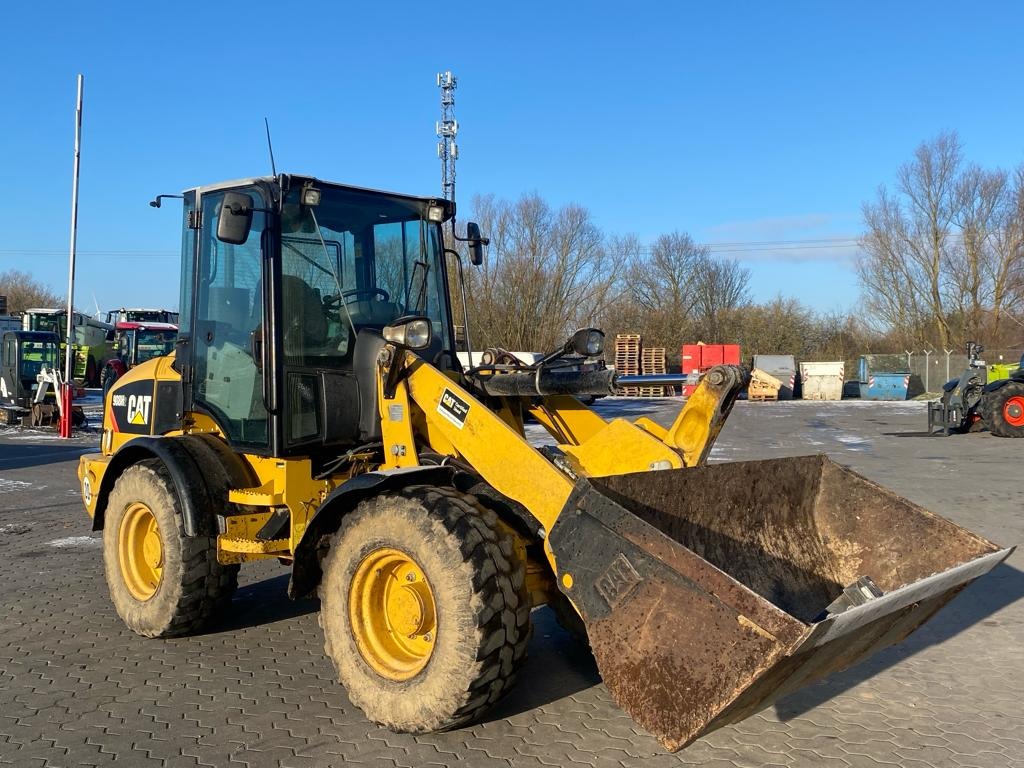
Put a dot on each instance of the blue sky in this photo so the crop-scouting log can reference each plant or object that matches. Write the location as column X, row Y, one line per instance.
column 737, row 122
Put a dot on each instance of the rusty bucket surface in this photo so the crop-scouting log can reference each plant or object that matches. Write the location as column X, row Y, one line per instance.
column 708, row 593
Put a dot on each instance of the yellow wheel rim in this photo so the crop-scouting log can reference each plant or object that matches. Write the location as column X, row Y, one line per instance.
column 392, row 613
column 140, row 551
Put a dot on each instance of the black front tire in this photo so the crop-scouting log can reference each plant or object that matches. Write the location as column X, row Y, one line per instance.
column 568, row 619
column 193, row 587
column 482, row 607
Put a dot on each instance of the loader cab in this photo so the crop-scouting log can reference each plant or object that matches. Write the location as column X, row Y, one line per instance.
column 287, row 284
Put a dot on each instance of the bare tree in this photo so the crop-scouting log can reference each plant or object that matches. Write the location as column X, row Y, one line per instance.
column 663, row 286
column 546, row 272
column 723, row 286
column 908, row 240
column 23, row 291
column 942, row 258
column 1005, row 268
column 979, row 196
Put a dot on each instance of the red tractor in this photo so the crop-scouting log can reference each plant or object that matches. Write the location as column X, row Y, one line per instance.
column 135, row 343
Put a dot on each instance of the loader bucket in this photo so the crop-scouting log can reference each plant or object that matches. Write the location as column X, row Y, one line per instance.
column 710, row 592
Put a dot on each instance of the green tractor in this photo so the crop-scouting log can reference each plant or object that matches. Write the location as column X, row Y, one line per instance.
column 975, row 400
column 1003, row 404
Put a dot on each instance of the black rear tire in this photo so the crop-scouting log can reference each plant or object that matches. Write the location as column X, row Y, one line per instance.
column 1002, row 410
column 192, row 587
column 482, row 607
column 107, row 380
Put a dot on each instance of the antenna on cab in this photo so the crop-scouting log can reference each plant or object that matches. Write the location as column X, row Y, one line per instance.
column 270, row 147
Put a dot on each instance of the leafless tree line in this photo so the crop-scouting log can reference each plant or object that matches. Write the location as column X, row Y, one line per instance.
column 548, row 271
column 24, row 291
column 942, row 262
column 943, row 253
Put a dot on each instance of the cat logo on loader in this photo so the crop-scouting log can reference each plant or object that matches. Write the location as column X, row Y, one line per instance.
column 138, row 409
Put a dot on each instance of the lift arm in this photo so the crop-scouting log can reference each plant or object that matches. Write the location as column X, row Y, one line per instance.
column 454, row 422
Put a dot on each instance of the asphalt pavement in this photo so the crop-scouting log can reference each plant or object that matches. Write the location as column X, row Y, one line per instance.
column 77, row 688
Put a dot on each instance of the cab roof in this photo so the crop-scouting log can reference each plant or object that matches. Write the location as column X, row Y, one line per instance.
column 144, row 325
column 34, row 335
column 293, row 178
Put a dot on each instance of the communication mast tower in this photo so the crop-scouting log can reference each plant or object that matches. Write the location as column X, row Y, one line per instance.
column 447, row 128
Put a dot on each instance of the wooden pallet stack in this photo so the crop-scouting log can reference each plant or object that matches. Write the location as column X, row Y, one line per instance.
column 652, row 362
column 627, row 359
column 763, row 386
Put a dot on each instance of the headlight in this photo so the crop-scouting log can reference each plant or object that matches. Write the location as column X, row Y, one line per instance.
column 588, row 342
column 411, row 332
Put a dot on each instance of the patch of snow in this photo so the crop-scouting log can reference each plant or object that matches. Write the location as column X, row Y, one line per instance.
column 853, row 442
column 10, row 486
column 77, row 541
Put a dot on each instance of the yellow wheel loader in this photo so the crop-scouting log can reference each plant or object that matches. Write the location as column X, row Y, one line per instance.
column 315, row 412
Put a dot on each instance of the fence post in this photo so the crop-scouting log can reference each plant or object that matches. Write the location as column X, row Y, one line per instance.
column 948, row 353
column 927, row 368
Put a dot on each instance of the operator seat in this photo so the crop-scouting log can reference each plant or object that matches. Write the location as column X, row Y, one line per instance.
column 228, row 310
column 304, row 326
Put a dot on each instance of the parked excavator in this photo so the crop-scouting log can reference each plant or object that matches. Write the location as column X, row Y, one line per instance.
column 315, row 412
column 30, row 379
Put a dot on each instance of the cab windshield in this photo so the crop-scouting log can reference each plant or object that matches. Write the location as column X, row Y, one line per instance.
column 357, row 260
column 35, row 356
column 153, row 343
column 46, row 323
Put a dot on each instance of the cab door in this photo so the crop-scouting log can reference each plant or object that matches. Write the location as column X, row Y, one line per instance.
column 10, row 377
column 226, row 330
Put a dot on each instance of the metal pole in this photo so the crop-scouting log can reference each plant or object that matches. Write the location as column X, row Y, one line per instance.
column 65, row 394
column 927, row 367
column 948, row 353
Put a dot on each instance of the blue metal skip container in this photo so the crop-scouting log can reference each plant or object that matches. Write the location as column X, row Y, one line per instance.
column 883, row 377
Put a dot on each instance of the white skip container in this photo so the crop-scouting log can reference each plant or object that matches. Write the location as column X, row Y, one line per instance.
column 822, row 381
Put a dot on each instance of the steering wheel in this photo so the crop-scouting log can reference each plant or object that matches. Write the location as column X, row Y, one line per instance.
column 385, row 296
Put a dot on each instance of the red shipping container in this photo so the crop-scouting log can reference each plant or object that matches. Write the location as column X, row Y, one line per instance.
column 691, row 356
column 711, row 355
column 700, row 357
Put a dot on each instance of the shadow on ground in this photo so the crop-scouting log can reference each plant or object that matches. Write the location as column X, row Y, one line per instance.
column 263, row 602
column 14, row 456
column 557, row 667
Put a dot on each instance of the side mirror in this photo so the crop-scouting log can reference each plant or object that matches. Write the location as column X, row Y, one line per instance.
column 235, row 219
column 476, row 244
